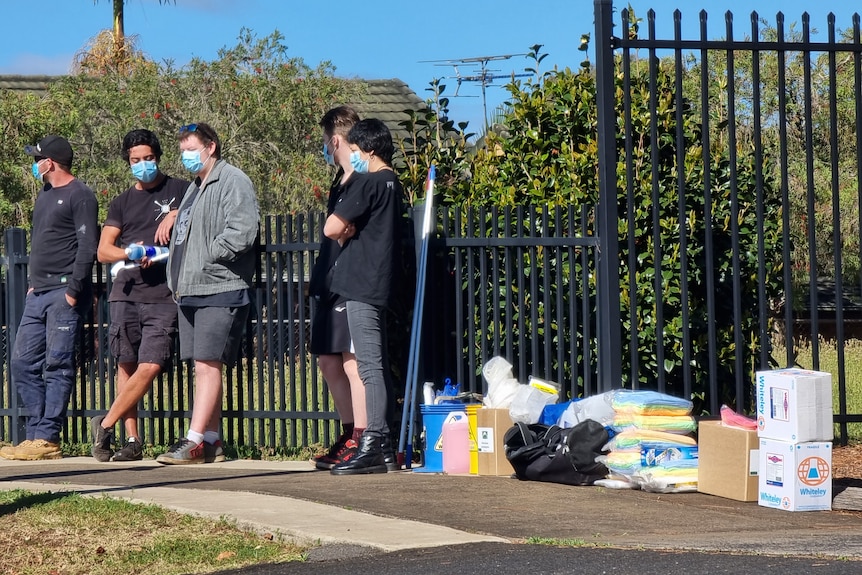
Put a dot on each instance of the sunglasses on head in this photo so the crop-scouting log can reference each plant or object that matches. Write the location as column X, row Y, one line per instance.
column 190, row 128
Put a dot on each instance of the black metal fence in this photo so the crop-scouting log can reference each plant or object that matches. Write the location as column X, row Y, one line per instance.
column 728, row 175
column 739, row 156
column 507, row 282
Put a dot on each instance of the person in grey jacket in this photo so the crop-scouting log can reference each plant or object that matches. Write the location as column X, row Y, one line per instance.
column 210, row 275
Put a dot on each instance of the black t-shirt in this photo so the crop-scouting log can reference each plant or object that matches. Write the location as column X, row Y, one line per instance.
column 321, row 274
column 64, row 238
column 138, row 213
column 365, row 269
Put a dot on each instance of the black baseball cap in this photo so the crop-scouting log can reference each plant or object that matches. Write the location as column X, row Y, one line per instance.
column 55, row 147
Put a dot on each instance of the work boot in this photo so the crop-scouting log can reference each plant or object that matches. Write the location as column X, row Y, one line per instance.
column 38, row 449
column 10, row 451
column 390, row 457
column 369, row 458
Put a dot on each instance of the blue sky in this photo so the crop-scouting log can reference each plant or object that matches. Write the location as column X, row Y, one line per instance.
column 365, row 38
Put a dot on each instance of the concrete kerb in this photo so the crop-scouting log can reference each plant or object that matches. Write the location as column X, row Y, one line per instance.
column 287, row 518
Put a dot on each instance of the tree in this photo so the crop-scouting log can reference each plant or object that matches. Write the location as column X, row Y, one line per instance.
column 119, row 43
column 814, row 235
column 264, row 105
column 545, row 154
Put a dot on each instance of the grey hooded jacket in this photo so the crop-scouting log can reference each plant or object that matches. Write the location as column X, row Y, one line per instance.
column 219, row 255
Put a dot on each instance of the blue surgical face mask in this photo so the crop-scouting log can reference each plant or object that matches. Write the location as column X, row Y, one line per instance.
column 329, row 158
column 192, row 161
column 145, row 171
column 359, row 165
column 36, row 173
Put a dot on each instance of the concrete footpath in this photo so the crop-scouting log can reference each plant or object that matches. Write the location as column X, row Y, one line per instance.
column 410, row 510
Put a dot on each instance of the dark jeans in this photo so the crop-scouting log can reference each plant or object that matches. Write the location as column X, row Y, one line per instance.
column 43, row 360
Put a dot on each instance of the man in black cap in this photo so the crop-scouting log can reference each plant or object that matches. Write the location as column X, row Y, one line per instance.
column 63, row 240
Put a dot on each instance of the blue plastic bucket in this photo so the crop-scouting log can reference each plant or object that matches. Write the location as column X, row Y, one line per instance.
column 433, row 417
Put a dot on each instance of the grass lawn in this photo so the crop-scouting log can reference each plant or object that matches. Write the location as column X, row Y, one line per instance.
column 75, row 535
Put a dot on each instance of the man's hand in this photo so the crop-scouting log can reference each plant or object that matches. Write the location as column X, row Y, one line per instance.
column 163, row 233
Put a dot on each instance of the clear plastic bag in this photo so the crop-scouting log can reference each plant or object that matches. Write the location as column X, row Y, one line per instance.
column 502, row 385
column 528, row 403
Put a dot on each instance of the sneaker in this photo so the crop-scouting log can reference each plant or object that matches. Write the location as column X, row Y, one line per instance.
column 131, row 451
column 183, row 452
column 346, row 453
column 330, row 458
column 10, row 451
column 213, row 452
column 38, row 449
column 102, row 440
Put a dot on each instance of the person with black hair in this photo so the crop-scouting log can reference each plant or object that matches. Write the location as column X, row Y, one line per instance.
column 367, row 221
column 143, row 313
column 63, row 243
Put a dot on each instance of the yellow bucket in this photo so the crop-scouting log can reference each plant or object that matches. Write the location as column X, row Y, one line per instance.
column 471, row 410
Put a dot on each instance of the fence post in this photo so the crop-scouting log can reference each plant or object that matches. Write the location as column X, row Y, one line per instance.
column 608, row 296
column 16, row 291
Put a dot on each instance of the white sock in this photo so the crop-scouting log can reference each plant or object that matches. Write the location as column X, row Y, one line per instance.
column 195, row 436
column 211, row 436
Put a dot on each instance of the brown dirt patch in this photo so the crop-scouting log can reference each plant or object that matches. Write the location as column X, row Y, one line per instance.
column 847, row 461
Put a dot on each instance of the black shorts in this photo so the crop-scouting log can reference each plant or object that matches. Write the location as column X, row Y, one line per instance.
column 212, row 333
column 142, row 332
column 330, row 333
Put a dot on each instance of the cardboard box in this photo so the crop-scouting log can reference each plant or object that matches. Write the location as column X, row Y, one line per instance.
column 795, row 476
column 794, row 405
column 727, row 461
column 491, row 426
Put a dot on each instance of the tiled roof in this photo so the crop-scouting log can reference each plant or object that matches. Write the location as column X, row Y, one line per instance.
column 387, row 100
column 25, row 83
column 383, row 99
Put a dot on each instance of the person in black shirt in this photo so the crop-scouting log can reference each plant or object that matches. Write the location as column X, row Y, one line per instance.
column 367, row 223
column 143, row 312
column 63, row 244
column 330, row 333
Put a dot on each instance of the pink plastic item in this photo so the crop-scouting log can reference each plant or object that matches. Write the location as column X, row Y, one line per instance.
column 732, row 419
column 456, row 443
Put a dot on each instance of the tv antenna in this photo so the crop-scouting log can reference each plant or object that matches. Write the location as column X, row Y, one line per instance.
column 480, row 74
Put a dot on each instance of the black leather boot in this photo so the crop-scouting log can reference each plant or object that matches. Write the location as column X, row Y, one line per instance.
column 390, row 457
column 369, row 458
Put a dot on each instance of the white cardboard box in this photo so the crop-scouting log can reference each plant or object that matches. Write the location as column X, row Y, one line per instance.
column 794, row 405
column 795, row 476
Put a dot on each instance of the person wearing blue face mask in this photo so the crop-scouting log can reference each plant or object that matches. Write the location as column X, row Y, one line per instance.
column 367, row 223
column 210, row 272
column 63, row 243
column 143, row 313
column 330, row 333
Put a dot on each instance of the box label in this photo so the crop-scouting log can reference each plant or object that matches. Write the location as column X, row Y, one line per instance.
column 774, row 469
column 485, row 441
column 779, row 400
column 753, row 462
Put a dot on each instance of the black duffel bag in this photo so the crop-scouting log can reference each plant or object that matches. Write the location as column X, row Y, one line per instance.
column 557, row 455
